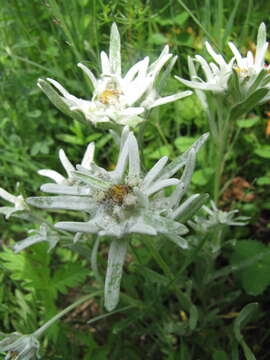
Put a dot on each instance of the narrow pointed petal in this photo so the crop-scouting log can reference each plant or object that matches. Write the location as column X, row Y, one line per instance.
column 89, row 73
column 116, row 258
column 124, row 136
column 91, row 180
column 171, row 98
column 189, row 169
column 60, row 88
column 66, row 163
column 217, row 57
column 31, row 240
column 141, row 227
column 62, row 202
column 154, row 172
column 205, row 67
column 54, row 175
column 84, row 227
column 134, row 158
column 7, row 196
column 181, row 160
column 133, row 71
column 115, row 50
column 88, row 156
column 105, row 64
column 189, row 207
column 65, row 189
column 179, row 241
column 122, row 161
column 160, row 185
column 236, row 53
column 261, row 38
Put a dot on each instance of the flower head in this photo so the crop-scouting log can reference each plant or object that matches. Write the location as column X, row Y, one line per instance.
column 216, row 74
column 18, row 202
column 19, row 346
column 124, row 201
column 216, row 219
column 250, row 65
column 117, row 99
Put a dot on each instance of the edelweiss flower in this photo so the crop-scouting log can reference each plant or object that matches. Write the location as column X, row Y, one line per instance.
column 19, row 346
column 216, row 74
column 217, row 217
column 250, row 65
column 17, row 201
column 117, row 99
column 214, row 222
column 122, row 202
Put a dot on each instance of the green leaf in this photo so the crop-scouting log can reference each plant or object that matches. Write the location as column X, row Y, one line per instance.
column 164, row 150
column 263, row 151
column 69, row 276
column 256, row 277
column 242, row 319
column 157, row 39
column 248, row 104
column 183, row 143
column 193, row 317
column 247, row 123
column 220, row 355
column 202, row 177
column 263, row 180
column 70, row 139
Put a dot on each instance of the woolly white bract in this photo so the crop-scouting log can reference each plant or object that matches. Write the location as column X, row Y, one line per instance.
column 116, row 99
column 123, row 201
column 17, row 201
column 19, row 346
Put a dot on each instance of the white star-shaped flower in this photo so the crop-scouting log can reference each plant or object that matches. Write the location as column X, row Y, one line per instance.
column 117, row 99
column 216, row 74
column 124, row 201
column 250, row 65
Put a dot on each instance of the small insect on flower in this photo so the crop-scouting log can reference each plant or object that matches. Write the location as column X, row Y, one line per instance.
column 117, row 193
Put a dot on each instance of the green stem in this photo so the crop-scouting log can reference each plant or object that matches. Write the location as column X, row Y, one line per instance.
column 45, row 326
column 221, row 156
column 184, row 301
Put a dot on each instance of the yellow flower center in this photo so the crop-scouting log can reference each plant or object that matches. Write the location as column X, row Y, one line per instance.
column 109, row 97
column 117, row 193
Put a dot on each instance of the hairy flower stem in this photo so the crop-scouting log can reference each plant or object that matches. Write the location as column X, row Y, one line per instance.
column 223, row 136
column 45, row 326
column 182, row 298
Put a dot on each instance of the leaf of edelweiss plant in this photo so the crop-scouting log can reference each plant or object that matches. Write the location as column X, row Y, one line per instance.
column 123, row 201
column 19, row 346
column 116, row 100
column 18, row 202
